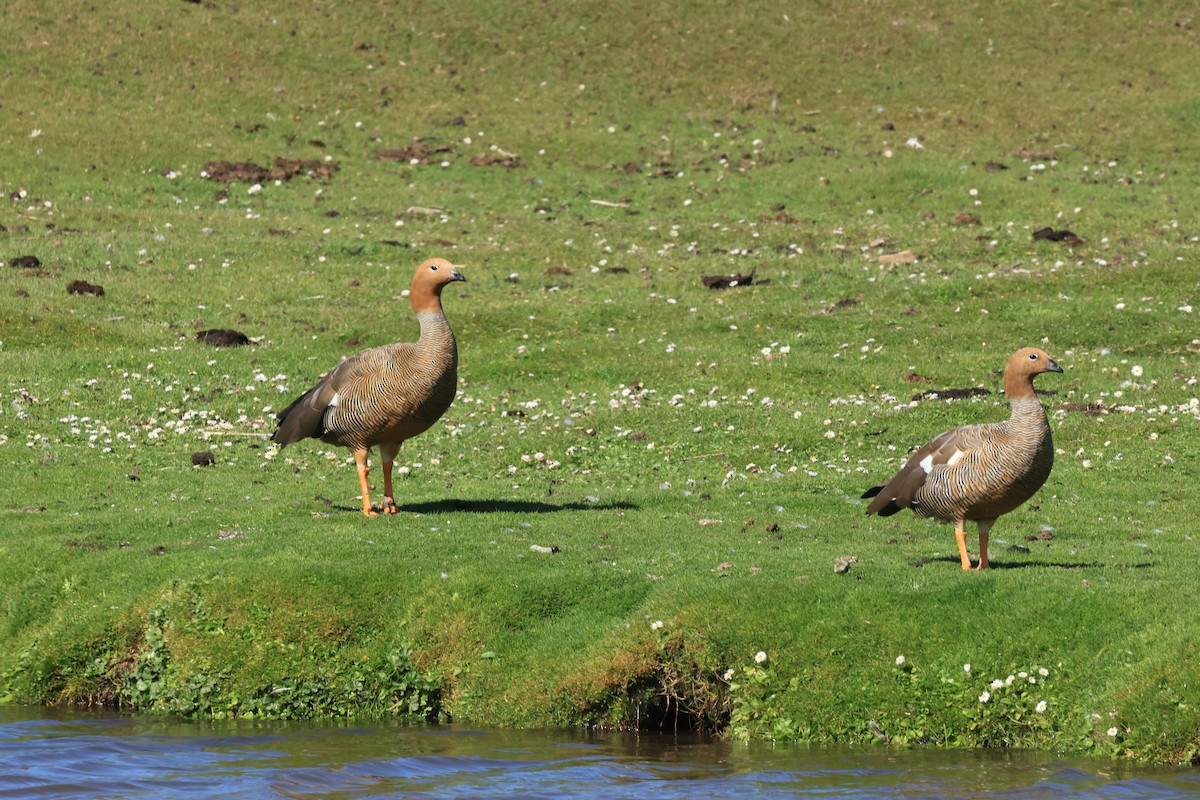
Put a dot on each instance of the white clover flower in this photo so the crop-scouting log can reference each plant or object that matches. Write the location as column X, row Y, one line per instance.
column 983, row 698
column 1040, row 707
column 899, row 661
column 1112, row 731
column 760, row 657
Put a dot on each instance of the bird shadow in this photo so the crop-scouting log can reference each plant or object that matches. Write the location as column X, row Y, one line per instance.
column 456, row 505
column 992, row 564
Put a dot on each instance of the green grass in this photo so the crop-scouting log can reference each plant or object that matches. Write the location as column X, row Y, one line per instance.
column 696, row 456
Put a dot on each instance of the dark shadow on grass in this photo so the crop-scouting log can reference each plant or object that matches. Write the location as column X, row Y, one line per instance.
column 456, row 505
column 993, row 564
column 459, row 506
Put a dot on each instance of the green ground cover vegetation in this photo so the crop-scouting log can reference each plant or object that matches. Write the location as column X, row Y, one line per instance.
column 693, row 458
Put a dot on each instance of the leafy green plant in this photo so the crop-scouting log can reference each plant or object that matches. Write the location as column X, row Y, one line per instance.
column 146, row 685
column 759, row 708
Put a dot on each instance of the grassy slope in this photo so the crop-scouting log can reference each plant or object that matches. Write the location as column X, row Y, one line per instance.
column 726, row 117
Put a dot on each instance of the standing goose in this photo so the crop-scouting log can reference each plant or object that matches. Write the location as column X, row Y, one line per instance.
column 978, row 472
column 386, row 394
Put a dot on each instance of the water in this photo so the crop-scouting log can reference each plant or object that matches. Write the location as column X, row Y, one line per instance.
column 48, row 754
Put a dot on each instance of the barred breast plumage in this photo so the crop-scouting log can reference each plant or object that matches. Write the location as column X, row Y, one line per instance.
column 979, row 472
column 385, row 395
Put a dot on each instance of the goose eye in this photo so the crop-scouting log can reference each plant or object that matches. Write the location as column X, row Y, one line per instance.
column 1033, row 357
column 433, row 267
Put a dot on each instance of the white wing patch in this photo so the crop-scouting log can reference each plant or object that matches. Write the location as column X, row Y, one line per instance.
column 926, row 463
column 334, row 400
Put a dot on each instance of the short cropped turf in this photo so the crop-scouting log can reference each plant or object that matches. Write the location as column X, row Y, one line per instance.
column 632, row 512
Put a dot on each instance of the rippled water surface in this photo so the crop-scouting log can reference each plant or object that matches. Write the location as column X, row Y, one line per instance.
column 44, row 754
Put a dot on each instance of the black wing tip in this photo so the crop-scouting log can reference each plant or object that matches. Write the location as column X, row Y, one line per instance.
column 879, row 507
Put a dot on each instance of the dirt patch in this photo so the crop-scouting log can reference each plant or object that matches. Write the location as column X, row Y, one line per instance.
column 417, row 152
column 845, row 302
column 284, row 170
column 488, row 160
column 781, row 215
column 223, row 337
column 87, row 545
column 727, row 281
column 1090, row 409
column 86, row 289
column 1050, row 235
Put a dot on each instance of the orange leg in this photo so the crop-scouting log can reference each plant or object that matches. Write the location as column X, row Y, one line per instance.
column 960, row 535
column 387, row 453
column 360, row 460
column 985, row 528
